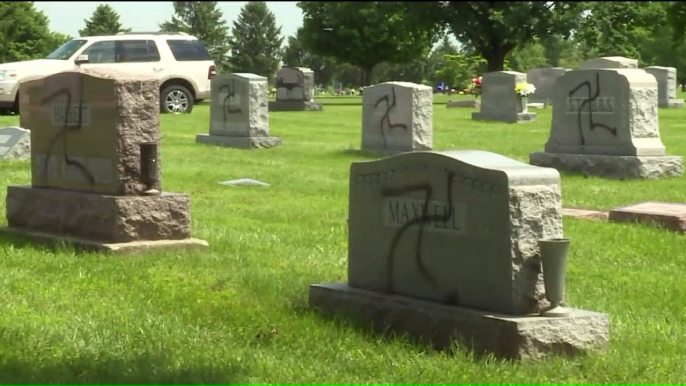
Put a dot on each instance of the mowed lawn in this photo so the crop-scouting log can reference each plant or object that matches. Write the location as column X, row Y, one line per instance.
column 238, row 313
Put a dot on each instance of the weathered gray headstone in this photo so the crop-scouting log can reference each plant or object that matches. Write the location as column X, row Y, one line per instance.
column 666, row 86
column 397, row 117
column 609, row 62
column 444, row 245
column 544, row 81
column 471, row 103
column 605, row 123
column 499, row 100
column 239, row 116
column 295, row 88
column 15, row 143
column 96, row 176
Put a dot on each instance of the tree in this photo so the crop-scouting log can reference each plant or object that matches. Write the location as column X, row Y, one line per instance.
column 494, row 29
column 677, row 20
column 527, row 57
column 296, row 55
column 203, row 20
column 256, row 41
column 615, row 28
column 365, row 34
column 25, row 32
column 104, row 21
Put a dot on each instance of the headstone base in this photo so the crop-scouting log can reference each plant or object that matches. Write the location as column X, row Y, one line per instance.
column 673, row 104
column 98, row 218
column 294, row 106
column 239, row 142
column 611, row 166
column 472, row 103
column 519, row 118
column 669, row 215
column 528, row 337
column 118, row 248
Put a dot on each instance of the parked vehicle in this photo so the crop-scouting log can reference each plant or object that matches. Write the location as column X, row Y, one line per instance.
column 180, row 62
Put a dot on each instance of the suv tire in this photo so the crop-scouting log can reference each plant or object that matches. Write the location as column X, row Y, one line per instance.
column 176, row 99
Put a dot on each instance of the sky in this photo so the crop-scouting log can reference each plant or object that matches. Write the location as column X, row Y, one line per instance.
column 68, row 17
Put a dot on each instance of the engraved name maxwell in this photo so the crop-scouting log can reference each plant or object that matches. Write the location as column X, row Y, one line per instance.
column 600, row 105
column 398, row 211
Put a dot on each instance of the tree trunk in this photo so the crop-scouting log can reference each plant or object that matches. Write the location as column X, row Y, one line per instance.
column 496, row 60
column 367, row 76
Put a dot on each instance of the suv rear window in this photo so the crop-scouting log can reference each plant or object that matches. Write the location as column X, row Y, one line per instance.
column 188, row 50
column 139, row 51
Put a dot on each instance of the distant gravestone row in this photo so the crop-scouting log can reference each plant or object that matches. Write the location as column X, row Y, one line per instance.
column 499, row 100
column 295, row 88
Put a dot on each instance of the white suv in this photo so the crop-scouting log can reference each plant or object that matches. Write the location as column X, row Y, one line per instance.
column 180, row 62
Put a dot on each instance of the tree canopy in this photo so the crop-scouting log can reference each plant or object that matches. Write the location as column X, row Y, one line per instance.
column 25, row 32
column 103, row 22
column 256, row 41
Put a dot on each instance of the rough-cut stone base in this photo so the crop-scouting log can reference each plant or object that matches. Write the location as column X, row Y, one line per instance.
column 611, row 166
column 673, row 103
column 505, row 336
column 240, row 142
column 294, row 106
column 119, row 248
column 520, row 117
column 100, row 218
column 473, row 103
column 667, row 214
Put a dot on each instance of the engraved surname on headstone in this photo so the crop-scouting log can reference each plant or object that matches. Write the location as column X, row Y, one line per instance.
column 60, row 112
column 599, row 105
column 439, row 216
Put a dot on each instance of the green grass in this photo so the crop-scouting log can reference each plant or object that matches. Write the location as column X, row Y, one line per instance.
column 238, row 313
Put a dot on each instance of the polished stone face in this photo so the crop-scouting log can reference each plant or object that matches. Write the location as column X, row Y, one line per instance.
column 239, row 105
column 397, row 117
column 88, row 129
column 605, row 112
column 456, row 227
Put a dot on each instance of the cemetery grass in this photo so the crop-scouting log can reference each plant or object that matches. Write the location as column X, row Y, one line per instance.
column 238, row 312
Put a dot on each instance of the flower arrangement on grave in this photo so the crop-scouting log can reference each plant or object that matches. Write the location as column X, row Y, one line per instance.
column 525, row 89
column 476, row 87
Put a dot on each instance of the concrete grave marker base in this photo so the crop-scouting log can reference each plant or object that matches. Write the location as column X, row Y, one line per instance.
column 15, row 143
column 473, row 103
column 536, row 105
column 520, row 117
column 585, row 213
column 239, row 142
column 529, row 337
column 294, row 106
column 99, row 218
column 119, row 248
column 670, row 215
column 611, row 166
column 673, row 104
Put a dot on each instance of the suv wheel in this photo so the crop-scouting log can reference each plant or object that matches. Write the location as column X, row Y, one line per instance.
column 176, row 99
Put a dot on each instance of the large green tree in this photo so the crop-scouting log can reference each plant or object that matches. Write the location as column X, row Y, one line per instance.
column 203, row 20
column 296, row 55
column 494, row 29
column 677, row 19
column 365, row 34
column 104, row 21
column 256, row 41
column 25, row 32
column 615, row 28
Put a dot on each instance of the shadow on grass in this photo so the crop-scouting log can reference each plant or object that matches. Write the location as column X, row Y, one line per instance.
column 386, row 334
column 94, row 369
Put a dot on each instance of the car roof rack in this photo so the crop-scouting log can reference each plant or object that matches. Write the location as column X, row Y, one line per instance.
column 152, row 33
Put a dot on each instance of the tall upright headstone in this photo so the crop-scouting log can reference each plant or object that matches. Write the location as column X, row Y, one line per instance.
column 666, row 86
column 96, row 177
column 239, row 116
column 544, row 81
column 499, row 100
column 295, row 88
column 397, row 117
column 605, row 123
column 609, row 62
column 444, row 246
column 15, row 143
